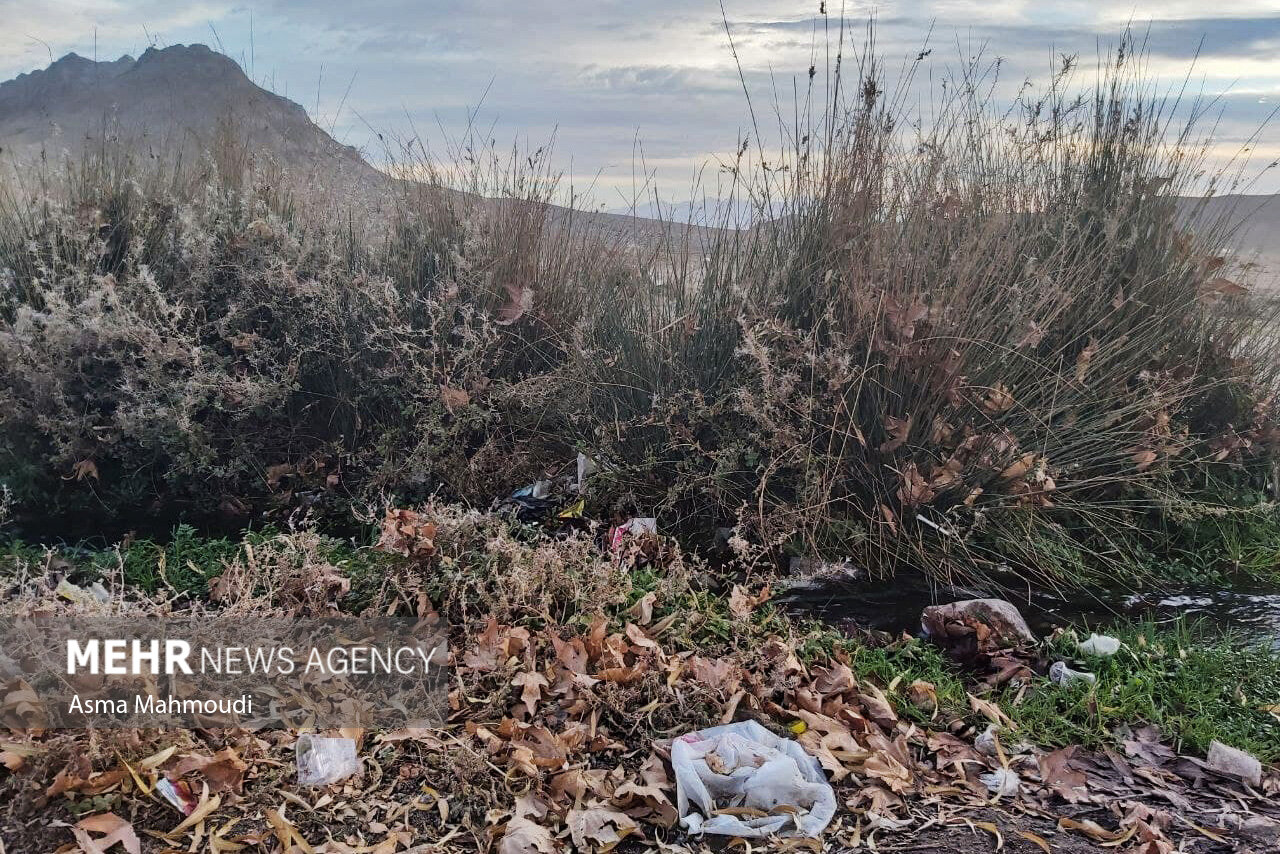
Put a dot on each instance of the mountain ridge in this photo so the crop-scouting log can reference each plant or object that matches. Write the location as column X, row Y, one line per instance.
column 175, row 100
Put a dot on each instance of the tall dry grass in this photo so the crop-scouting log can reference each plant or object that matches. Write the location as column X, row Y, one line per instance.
column 978, row 341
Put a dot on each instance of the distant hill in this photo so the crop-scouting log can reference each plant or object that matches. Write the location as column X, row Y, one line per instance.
column 169, row 102
column 178, row 99
column 1258, row 235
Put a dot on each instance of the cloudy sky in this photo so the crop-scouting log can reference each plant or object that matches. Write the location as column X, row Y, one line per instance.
column 603, row 75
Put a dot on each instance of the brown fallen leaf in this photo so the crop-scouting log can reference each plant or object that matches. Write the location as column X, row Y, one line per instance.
column 83, row 469
column 1058, row 772
column 286, row 834
column 1085, row 359
column 998, row 400
column 519, row 302
column 1142, row 459
column 878, row 707
column 224, row 770
column 1219, row 287
column 525, row 836
column 598, row 827
column 531, row 685
column 898, row 429
column 642, row 610
column 454, row 398
column 113, row 829
column 924, row 696
column 742, row 603
column 202, row 811
column 21, row 708
column 1093, row 830
column 1037, row 840
column 991, row 712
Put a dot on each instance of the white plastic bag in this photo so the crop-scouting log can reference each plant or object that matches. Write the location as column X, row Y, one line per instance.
column 1060, row 674
column 322, row 761
column 745, row 765
column 1097, row 644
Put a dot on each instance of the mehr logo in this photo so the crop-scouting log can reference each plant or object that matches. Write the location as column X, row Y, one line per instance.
column 124, row 658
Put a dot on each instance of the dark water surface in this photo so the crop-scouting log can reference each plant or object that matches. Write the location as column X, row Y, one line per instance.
column 894, row 605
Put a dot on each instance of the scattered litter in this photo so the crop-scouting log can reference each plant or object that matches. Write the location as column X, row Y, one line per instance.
column 555, row 499
column 1001, row 781
column 941, row 529
column 986, row 741
column 95, row 593
column 529, row 503
column 744, row 765
column 1097, row 644
column 634, row 527
column 322, row 761
column 1228, row 760
column 586, row 468
column 177, row 794
column 1060, row 674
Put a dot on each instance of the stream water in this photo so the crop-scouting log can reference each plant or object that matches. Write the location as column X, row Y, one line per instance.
column 894, row 606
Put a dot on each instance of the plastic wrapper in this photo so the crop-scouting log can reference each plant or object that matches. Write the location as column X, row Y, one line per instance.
column 322, row 761
column 744, row 765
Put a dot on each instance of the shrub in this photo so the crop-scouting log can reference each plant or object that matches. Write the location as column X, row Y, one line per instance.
column 983, row 342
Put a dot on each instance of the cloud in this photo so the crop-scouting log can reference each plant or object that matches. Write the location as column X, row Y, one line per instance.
column 598, row 76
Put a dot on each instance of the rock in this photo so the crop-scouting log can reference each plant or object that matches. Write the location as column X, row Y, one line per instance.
column 1236, row 763
column 976, row 626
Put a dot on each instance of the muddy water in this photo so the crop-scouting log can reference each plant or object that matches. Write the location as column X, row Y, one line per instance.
column 895, row 606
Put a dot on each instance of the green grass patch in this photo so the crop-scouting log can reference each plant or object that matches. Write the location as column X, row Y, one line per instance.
column 186, row 563
column 1195, row 683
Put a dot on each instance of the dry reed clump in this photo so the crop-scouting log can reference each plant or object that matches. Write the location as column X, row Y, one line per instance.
column 482, row 566
column 289, row 572
column 969, row 341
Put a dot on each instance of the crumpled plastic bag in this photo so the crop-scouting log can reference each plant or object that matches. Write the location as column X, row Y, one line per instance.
column 745, row 765
column 1060, row 674
column 322, row 761
column 1097, row 644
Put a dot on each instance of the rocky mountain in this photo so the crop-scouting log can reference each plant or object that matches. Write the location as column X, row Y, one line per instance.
column 169, row 102
column 176, row 101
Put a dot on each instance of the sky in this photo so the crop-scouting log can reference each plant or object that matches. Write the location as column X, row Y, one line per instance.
column 611, row 80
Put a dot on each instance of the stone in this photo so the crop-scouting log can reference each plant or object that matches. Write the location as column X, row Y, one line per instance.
column 1236, row 763
column 976, row 626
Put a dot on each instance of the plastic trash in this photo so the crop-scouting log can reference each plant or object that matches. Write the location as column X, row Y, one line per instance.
column 635, row 527
column 1060, row 674
column 1229, row 760
column 986, row 742
column 745, row 765
column 1097, row 644
column 1001, row 781
column 178, row 794
column 322, row 761
column 95, row 593
column 586, row 468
